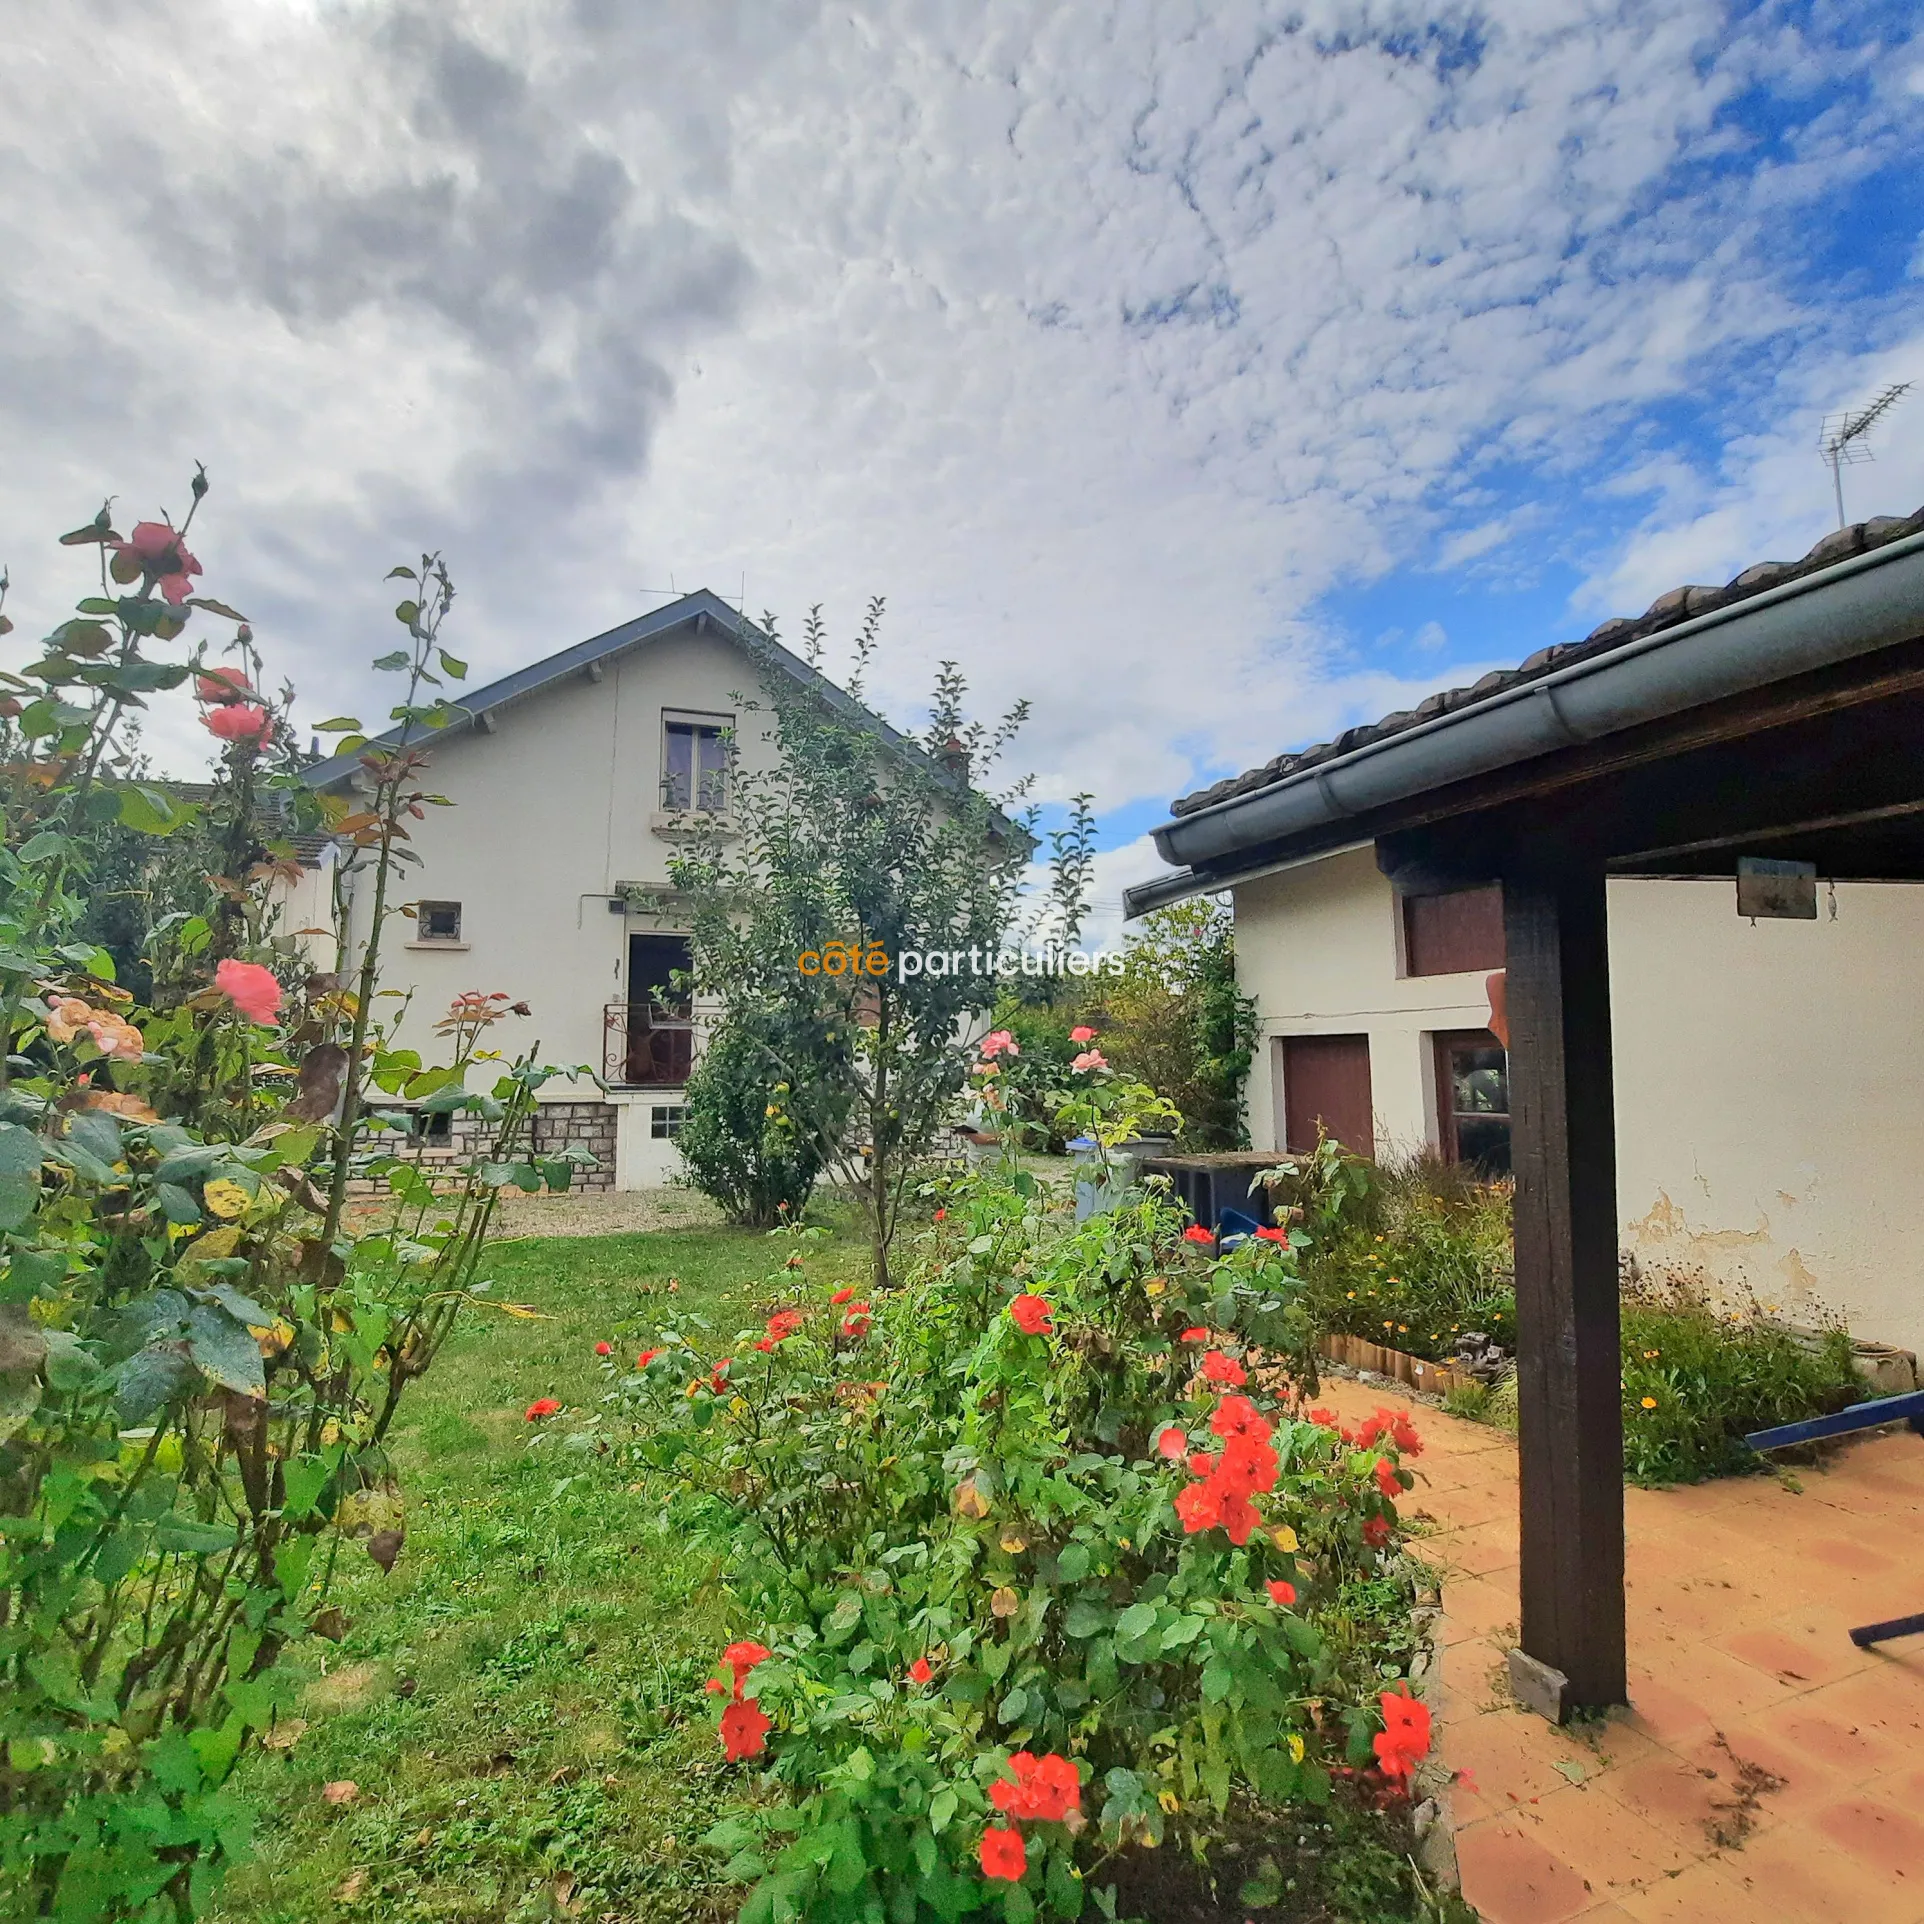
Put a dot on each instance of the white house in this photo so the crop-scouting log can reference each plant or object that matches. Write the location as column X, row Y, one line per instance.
column 1769, row 1073
column 548, row 879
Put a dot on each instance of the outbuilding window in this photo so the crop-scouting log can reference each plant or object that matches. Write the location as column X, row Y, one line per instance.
column 1473, row 1100
column 1456, row 934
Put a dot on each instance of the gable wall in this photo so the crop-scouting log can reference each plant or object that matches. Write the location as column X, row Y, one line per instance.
column 551, row 810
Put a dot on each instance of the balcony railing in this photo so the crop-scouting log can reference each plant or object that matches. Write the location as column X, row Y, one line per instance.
column 647, row 1045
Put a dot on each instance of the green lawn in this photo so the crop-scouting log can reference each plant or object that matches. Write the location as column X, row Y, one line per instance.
column 518, row 1702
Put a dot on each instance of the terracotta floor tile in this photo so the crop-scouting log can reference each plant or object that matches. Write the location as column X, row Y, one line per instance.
column 1740, row 1597
column 1511, row 1757
column 1886, row 1840
column 1681, row 1799
column 1723, row 1689
column 1801, row 1784
column 1889, row 1696
column 1831, row 1734
column 1851, row 1557
column 1806, row 1878
column 1611, row 1847
column 1796, row 1653
column 1511, row 1878
column 1481, row 1604
column 1705, row 1893
column 1479, row 1551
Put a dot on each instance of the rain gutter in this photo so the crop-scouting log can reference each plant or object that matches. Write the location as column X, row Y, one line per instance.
column 1854, row 607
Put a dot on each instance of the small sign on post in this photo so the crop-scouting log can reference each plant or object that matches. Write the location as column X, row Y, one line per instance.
column 1784, row 891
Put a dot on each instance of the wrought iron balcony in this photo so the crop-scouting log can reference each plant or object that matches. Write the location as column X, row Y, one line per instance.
column 647, row 1045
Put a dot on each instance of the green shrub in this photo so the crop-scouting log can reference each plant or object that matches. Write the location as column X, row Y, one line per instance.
column 738, row 1138
column 1025, row 1507
column 1696, row 1383
column 1427, row 1261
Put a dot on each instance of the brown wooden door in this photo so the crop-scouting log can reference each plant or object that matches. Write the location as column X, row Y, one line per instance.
column 1326, row 1079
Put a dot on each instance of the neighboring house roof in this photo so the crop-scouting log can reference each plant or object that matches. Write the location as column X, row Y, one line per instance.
column 699, row 611
column 275, row 808
column 1693, row 644
column 1679, row 604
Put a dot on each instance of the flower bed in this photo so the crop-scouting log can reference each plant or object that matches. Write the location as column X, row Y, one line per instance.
column 1041, row 1562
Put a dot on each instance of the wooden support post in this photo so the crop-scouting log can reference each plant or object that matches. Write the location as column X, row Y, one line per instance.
column 1569, row 1370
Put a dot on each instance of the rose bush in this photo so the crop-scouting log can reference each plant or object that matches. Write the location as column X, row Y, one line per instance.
column 1033, row 1587
column 199, row 1363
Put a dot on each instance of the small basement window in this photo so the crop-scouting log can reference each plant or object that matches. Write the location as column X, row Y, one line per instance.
column 437, row 922
column 665, row 1123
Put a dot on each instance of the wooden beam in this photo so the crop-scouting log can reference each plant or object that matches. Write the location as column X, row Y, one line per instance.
column 1569, row 1371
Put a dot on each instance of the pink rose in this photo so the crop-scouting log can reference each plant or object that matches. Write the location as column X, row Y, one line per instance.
column 252, row 989
column 1082, row 1035
column 221, row 684
column 154, row 549
column 1090, row 1059
column 239, row 721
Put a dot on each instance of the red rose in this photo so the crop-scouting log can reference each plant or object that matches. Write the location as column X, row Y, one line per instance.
column 646, row 1357
column 1196, row 1233
column 744, row 1729
column 1045, row 1789
column 1386, row 1478
column 542, row 1406
column 921, row 1670
column 1197, row 1334
column 1405, row 1737
column 1218, row 1368
column 1031, row 1315
column 1281, row 1594
column 1171, row 1442
column 604, row 1349
column 1269, row 1234
column 1003, row 1854
column 842, row 1296
column 856, row 1322
column 1376, row 1532
column 941, row 1215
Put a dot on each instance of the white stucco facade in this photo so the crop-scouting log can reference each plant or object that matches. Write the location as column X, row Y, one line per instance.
column 1769, row 1075
column 556, row 815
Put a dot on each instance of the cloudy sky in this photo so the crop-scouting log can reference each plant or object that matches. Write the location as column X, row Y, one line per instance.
column 1214, row 375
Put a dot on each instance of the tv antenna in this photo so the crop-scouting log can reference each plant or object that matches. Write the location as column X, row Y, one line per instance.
column 1843, row 439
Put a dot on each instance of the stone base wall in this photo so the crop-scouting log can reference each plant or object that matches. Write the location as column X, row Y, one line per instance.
column 557, row 1126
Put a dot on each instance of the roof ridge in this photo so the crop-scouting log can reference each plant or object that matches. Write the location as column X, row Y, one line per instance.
column 1673, row 606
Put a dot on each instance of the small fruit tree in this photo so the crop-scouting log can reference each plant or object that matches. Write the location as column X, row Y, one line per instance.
column 199, row 1363
column 856, row 846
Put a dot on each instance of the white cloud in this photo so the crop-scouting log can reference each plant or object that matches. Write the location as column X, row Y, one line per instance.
column 1101, row 339
column 1772, row 497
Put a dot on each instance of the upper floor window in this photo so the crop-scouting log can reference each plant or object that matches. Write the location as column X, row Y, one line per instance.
column 437, row 922
column 694, row 762
column 1456, row 934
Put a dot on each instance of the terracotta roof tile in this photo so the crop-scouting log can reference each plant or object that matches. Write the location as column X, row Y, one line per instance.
column 1677, row 604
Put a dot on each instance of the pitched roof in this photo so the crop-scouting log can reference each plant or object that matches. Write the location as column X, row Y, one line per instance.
column 1679, row 604
column 698, row 611
column 701, row 611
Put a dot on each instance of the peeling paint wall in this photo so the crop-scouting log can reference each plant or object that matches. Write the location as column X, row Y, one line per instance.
column 1769, row 1076
column 1770, row 1098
